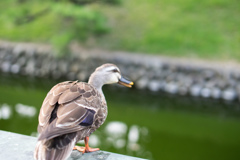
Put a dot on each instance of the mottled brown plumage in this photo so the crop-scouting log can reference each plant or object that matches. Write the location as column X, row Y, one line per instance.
column 71, row 111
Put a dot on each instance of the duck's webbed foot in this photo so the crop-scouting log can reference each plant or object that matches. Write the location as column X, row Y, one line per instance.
column 81, row 149
column 85, row 149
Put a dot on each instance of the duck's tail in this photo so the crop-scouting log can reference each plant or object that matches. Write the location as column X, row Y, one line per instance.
column 58, row 148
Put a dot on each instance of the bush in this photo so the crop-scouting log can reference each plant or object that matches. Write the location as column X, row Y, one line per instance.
column 56, row 22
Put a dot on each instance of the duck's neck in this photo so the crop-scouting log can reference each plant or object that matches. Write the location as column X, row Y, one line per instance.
column 96, row 82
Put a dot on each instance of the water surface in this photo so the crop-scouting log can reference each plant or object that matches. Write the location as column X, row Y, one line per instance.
column 139, row 123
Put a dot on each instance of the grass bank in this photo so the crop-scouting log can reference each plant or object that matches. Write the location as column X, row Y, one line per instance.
column 206, row 29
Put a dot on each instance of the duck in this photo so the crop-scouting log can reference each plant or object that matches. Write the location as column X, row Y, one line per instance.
column 72, row 111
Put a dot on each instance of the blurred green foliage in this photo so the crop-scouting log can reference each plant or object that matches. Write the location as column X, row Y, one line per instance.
column 206, row 29
column 52, row 21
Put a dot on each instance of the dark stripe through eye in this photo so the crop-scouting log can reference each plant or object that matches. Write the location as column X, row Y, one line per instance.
column 115, row 70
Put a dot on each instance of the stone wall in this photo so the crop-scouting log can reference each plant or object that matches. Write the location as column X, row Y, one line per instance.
column 173, row 75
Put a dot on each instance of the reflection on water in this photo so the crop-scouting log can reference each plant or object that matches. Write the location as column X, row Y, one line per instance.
column 21, row 110
column 133, row 137
column 5, row 111
column 116, row 133
column 94, row 141
column 25, row 110
column 119, row 136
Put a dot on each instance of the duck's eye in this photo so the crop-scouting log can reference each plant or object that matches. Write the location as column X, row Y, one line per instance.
column 115, row 70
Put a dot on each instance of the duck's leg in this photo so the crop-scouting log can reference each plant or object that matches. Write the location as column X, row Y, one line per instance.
column 86, row 148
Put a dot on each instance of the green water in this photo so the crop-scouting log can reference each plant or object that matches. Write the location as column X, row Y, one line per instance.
column 142, row 124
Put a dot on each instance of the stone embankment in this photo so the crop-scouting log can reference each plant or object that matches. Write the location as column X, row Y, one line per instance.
column 172, row 75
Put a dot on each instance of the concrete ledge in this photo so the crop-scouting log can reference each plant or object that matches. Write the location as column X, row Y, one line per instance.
column 20, row 147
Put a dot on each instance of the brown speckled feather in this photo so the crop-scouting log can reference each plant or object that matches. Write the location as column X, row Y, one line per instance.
column 68, row 114
column 72, row 101
column 50, row 102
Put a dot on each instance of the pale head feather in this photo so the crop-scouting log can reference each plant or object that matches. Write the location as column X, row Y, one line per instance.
column 105, row 74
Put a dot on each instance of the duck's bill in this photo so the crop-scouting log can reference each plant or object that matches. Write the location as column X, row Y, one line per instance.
column 125, row 82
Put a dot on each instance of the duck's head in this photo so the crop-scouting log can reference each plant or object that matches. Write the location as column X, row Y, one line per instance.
column 108, row 74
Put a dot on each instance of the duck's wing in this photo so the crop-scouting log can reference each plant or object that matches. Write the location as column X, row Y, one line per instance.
column 49, row 103
column 75, row 109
